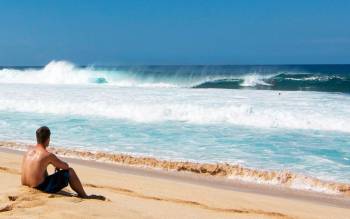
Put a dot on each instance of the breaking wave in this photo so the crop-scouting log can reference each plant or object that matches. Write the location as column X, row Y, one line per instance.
column 284, row 82
column 284, row 78
column 224, row 77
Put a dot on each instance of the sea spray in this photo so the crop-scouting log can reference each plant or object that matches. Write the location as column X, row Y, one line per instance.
column 332, row 78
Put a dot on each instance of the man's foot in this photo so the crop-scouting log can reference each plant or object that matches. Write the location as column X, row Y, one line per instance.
column 83, row 196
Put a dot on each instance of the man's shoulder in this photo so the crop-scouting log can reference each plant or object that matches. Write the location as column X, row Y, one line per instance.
column 50, row 155
column 36, row 154
column 44, row 153
column 31, row 152
column 47, row 157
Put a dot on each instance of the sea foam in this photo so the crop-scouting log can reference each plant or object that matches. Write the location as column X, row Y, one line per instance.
column 248, row 108
column 66, row 73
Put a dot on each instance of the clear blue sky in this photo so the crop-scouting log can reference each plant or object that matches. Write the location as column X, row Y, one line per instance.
column 175, row 32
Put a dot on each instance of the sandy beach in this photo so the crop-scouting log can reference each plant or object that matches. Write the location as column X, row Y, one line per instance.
column 175, row 109
column 143, row 193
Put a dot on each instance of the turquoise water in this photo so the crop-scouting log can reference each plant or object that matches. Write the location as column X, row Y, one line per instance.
column 302, row 131
column 317, row 153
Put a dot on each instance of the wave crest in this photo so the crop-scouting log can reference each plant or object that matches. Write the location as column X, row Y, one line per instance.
column 56, row 72
column 283, row 82
column 63, row 72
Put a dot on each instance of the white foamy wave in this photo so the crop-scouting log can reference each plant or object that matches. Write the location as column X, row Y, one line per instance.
column 249, row 108
column 290, row 180
column 56, row 72
column 253, row 80
column 63, row 72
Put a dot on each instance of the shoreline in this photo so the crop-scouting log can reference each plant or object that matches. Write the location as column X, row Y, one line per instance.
column 192, row 177
column 133, row 192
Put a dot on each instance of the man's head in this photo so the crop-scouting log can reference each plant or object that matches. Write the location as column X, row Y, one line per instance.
column 43, row 136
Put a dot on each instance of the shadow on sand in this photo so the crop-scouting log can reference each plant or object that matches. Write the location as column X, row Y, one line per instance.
column 69, row 194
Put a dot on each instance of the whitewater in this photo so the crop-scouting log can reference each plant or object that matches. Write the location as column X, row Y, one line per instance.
column 281, row 118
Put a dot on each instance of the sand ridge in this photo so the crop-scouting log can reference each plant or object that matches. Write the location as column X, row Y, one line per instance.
column 191, row 203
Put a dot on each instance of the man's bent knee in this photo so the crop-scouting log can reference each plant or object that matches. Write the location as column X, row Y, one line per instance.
column 71, row 171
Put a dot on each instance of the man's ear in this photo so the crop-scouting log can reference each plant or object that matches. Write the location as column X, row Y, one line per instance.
column 47, row 142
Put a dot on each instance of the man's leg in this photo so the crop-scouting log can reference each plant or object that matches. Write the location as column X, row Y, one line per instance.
column 75, row 183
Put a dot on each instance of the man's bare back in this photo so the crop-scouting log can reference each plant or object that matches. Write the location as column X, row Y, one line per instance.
column 36, row 161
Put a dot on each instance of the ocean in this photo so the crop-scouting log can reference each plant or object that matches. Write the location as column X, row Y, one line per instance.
column 270, row 117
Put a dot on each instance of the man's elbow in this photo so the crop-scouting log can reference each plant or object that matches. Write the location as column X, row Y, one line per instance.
column 22, row 180
column 62, row 166
column 65, row 166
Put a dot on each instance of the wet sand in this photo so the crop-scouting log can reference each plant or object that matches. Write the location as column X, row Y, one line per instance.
column 134, row 192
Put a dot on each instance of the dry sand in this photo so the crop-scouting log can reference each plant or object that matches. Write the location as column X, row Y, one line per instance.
column 146, row 194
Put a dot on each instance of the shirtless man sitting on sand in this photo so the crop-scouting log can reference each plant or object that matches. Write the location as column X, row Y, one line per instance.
column 35, row 162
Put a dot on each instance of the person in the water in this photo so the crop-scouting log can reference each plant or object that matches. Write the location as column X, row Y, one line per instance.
column 34, row 169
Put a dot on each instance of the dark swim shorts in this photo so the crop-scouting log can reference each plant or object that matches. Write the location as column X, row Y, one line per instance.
column 55, row 182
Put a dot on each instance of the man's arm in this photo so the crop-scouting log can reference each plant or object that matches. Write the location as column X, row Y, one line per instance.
column 59, row 164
